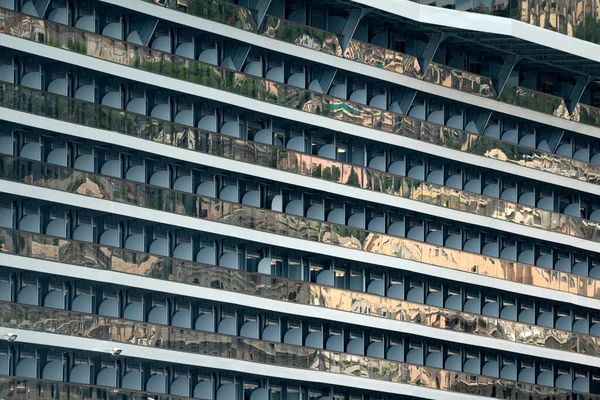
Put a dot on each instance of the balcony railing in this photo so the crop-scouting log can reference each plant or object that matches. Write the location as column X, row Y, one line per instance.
column 177, row 67
column 90, row 255
column 94, row 115
column 453, row 78
column 534, row 100
column 205, row 74
column 42, row 389
column 62, row 322
column 143, row 195
column 366, row 53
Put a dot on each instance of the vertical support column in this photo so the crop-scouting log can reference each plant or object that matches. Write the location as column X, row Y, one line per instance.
column 577, row 92
column 147, row 30
column 327, row 79
column 405, row 97
column 240, row 56
column 432, row 46
column 351, row 24
column 261, row 10
column 507, row 67
column 482, row 121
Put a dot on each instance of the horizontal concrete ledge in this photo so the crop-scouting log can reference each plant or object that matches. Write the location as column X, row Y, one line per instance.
column 243, row 367
column 223, row 296
column 288, row 242
column 405, row 8
column 478, row 22
column 287, row 113
column 292, row 179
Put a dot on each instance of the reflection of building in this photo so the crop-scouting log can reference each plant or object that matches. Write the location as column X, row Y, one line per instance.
column 299, row 200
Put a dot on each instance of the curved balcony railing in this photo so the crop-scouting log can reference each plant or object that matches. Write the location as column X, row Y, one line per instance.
column 128, row 54
column 62, row 322
column 115, row 259
column 367, row 53
column 12, row 387
column 143, row 195
column 93, row 115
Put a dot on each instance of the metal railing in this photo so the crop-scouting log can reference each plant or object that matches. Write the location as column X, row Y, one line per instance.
column 169, row 65
column 98, row 116
column 192, row 205
column 62, row 322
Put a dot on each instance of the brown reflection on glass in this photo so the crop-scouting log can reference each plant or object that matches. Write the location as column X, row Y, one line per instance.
column 534, row 100
column 240, row 215
column 327, row 42
column 81, row 325
column 461, row 80
column 292, row 97
column 282, row 289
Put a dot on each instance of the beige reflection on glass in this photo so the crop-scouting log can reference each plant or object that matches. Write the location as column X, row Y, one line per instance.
column 216, row 77
column 70, row 323
column 282, row 289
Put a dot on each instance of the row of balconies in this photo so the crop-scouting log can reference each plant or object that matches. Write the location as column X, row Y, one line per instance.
column 314, row 207
column 235, row 257
column 37, row 149
column 330, row 147
column 447, row 68
column 337, row 216
column 41, row 148
column 163, row 243
column 362, row 115
column 154, row 378
column 248, row 347
column 140, row 305
column 521, row 86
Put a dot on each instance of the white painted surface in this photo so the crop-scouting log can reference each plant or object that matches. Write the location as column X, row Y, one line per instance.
column 241, row 101
column 273, row 305
column 422, row 13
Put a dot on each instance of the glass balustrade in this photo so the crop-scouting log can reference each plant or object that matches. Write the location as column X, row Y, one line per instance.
column 94, row 115
column 170, row 65
column 39, row 389
column 119, row 190
column 366, row 53
column 587, row 114
column 114, row 259
column 62, row 322
column 381, row 57
column 534, row 100
column 301, row 35
column 453, row 78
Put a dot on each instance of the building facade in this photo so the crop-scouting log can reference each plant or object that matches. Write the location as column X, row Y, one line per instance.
column 299, row 200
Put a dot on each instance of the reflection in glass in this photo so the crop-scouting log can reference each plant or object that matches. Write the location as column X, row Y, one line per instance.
column 194, row 71
column 282, row 289
column 39, row 319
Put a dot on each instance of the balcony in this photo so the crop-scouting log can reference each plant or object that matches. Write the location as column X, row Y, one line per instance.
column 380, row 57
column 39, row 389
column 114, row 330
column 93, row 115
column 90, row 255
column 296, row 98
column 293, row 226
